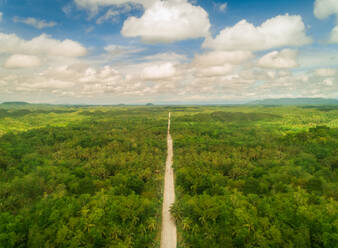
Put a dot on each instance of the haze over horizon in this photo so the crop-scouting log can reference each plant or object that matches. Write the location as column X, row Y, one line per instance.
column 140, row 51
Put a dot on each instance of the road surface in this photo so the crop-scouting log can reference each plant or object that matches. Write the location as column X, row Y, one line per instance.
column 168, row 234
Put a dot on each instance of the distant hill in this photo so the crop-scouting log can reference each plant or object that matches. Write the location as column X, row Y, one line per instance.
column 15, row 103
column 296, row 101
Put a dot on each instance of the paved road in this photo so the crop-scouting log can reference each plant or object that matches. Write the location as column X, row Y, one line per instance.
column 168, row 235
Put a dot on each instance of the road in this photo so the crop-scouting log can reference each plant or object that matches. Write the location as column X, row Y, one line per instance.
column 168, row 234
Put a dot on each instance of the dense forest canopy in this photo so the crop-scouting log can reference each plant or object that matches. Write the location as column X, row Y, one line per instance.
column 93, row 183
column 257, row 177
column 246, row 176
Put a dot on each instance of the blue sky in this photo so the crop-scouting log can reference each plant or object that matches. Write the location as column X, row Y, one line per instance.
column 112, row 51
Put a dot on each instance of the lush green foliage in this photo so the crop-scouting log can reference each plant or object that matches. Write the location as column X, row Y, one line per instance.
column 93, row 183
column 18, row 118
column 256, row 177
column 246, row 176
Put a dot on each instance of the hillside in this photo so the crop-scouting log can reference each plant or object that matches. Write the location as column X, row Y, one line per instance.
column 15, row 103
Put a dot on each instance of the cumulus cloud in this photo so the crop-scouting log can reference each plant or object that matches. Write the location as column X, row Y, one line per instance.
column 216, row 58
column 39, row 24
column 284, row 59
column 93, row 5
column 22, row 61
column 1, row 16
column 334, row 35
column 47, row 84
column 114, row 13
column 325, row 8
column 168, row 21
column 89, row 81
column 210, row 76
column 328, row 81
column 118, row 50
column 325, row 72
column 159, row 72
column 43, row 45
column 159, row 81
column 218, row 63
column 162, row 21
column 115, row 49
column 169, row 57
column 76, row 80
column 213, row 71
column 282, row 30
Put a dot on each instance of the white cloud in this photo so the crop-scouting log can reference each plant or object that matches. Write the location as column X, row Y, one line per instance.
column 325, row 72
column 284, row 59
column 334, row 35
column 216, row 58
column 328, row 81
column 210, row 76
column 280, row 31
column 22, row 61
column 43, row 45
column 1, row 16
column 67, row 9
column 159, row 81
column 39, row 24
column 223, row 7
column 169, row 57
column 159, row 72
column 93, row 5
column 89, row 29
column 168, row 21
column 47, row 84
column 118, row 50
column 213, row 71
column 114, row 13
column 325, row 8
column 318, row 57
column 218, row 63
column 110, row 15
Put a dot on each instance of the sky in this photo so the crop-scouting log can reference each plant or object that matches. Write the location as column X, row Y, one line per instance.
column 167, row 51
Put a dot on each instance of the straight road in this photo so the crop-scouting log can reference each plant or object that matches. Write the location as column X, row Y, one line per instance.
column 168, row 235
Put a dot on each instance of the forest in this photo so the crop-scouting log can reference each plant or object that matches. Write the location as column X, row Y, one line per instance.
column 257, row 177
column 90, row 183
column 92, row 176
